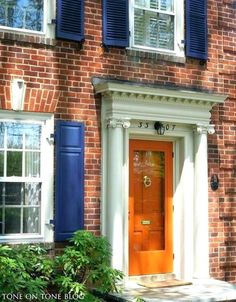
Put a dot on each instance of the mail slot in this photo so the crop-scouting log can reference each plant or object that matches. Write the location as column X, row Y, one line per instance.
column 145, row 221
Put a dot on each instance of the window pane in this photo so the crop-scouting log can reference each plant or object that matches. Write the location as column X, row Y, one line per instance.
column 167, row 5
column 31, row 220
column 32, row 136
column 1, row 163
column 166, row 32
column 25, row 14
column 14, row 136
column 12, row 220
column 14, row 163
column 32, row 164
column 144, row 3
column 32, row 194
column 139, row 27
column 13, row 193
column 153, row 30
column 2, row 131
column 154, row 4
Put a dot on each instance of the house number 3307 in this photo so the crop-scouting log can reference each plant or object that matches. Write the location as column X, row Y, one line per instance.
column 162, row 128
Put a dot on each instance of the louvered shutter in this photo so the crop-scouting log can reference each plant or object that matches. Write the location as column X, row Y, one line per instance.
column 115, row 23
column 69, row 179
column 70, row 20
column 196, row 29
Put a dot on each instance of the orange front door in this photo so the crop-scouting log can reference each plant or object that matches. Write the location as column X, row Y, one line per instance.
column 150, row 207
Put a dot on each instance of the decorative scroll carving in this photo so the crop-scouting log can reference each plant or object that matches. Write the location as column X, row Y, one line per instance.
column 114, row 123
column 204, row 129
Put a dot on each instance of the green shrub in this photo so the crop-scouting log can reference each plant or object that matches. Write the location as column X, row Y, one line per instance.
column 83, row 265
column 24, row 269
column 86, row 264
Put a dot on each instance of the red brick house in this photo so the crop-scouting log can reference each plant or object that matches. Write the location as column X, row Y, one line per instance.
column 127, row 129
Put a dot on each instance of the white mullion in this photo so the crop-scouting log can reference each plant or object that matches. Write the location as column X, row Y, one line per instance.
column 23, row 157
column 5, row 153
column 21, row 220
column 6, row 14
column 20, row 179
column 42, row 204
column 169, row 13
column 22, row 184
column 175, row 27
column 24, row 206
column 3, row 207
column 4, row 174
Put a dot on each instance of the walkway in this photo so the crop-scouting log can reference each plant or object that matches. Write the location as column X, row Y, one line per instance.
column 200, row 290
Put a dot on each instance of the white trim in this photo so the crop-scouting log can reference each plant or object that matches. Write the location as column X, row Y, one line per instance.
column 123, row 105
column 178, row 31
column 47, row 122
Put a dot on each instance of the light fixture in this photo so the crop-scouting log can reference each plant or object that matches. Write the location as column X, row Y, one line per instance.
column 160, row 128
column 214, row 182
column 18, row 87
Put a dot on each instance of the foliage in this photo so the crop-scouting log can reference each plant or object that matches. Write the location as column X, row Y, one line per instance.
column 86, row 264
column 139, row 300
column 24, row 269
column 83, row 265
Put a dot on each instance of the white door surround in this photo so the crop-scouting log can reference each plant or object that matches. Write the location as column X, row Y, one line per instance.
column 130, row 111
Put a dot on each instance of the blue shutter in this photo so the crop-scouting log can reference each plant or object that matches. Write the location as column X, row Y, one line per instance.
column 115, row 23
column 70, row 19
column 196, row 29
column 69, row 179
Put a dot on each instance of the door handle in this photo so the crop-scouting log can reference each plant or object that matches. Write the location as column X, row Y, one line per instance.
column 147, row 181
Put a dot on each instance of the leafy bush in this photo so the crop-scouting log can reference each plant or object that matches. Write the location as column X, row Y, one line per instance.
column 83, row 265
column 86, row 264
column 24, row 269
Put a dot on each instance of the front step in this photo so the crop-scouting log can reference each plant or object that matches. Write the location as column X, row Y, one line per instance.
column 151, row 278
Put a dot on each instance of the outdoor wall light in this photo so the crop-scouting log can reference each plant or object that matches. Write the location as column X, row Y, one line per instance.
column 18, row 87
column 214, row 182
column 159, row 127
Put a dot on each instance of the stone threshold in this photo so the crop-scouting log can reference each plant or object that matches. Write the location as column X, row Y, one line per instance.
column 201, row 290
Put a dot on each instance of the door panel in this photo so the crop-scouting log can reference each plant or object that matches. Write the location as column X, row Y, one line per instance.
column 150, row 207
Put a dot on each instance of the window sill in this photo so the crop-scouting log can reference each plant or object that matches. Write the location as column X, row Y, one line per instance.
column 154, row 56
column 21, row 239
column 24, row 37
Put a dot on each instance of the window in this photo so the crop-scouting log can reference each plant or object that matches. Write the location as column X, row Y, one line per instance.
column 23, row 181
column 154, row 23
column 28, row 16
column 157, row 25
column 22, row 14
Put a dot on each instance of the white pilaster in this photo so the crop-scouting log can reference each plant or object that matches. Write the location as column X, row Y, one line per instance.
column 115, row 206
column 201, row 237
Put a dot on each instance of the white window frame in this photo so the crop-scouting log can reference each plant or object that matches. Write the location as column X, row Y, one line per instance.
column 178, row 33
column 48, row 23
column 46, row 168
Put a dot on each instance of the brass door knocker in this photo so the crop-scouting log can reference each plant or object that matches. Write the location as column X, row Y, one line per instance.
column 147, row 181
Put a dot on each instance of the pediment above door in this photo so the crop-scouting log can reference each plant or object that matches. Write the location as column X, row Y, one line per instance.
column 135, row 101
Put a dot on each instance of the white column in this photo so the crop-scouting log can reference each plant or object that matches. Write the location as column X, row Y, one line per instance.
column 201, row 237
column 115, row 201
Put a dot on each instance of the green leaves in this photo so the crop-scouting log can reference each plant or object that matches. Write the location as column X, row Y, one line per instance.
column 85, row 264
column 24, row 269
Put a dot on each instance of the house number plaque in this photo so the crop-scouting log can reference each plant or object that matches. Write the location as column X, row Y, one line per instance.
column 163, row 127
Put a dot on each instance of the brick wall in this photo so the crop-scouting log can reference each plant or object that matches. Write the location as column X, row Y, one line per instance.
column 58, row 77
